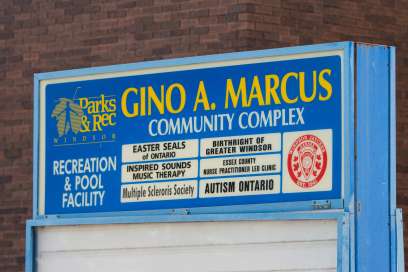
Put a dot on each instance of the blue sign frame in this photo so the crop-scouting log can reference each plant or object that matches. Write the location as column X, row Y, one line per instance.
column 347, row 122
column 370, row 227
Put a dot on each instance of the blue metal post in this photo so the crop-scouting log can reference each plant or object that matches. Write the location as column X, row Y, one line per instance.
column 375, row 183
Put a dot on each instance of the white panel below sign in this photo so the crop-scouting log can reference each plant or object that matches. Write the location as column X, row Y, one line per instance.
column 300, row 245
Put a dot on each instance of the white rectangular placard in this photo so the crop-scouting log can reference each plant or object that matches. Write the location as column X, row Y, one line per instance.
column 300, row 245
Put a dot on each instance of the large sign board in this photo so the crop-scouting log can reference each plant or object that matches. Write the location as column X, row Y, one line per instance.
column 250, row 131
column 213, row 143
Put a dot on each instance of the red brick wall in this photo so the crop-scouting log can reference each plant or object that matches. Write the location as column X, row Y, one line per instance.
column 47, row 35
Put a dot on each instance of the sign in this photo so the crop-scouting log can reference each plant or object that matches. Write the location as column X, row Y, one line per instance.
column 270, row 138
column 263, row 130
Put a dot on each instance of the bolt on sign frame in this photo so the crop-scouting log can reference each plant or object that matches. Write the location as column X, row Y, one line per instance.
column 347, row 131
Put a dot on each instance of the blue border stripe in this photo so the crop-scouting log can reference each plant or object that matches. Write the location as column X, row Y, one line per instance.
column 196, row 60
column 400, row 267
column 343, row 244
column 349, row 128
column 36, row 144
column 392, row 140
column 260, row 216
column 29, row 247
column 392, row 161
column 350, row 146
column 335, row 204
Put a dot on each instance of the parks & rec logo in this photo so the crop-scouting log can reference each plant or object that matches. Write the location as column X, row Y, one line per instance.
column 84, row 120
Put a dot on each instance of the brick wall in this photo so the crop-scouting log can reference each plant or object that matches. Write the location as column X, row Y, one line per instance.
column 47, row 35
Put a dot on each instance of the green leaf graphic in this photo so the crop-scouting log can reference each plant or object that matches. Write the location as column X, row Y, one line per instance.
column 68, row 115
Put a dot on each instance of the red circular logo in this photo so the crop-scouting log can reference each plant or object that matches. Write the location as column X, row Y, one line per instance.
column 307, row 161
